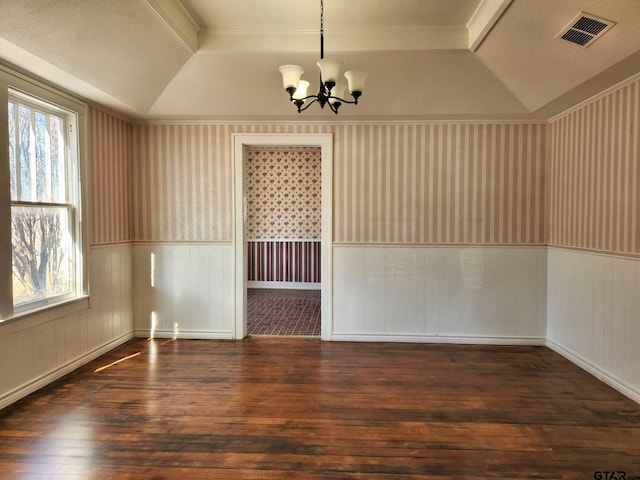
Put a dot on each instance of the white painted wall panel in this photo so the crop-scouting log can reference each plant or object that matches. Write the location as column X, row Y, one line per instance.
column 190, row 294
column 594, row 314
column 200, row 280
column 36, row 350
column 424, row 293
column 110, row 285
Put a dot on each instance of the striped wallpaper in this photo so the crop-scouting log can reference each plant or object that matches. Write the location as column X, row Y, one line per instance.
column 440, row 184
column 284, row 261
column 426, row 184
column 109, row 148
column 182, row 183
column 594, row 175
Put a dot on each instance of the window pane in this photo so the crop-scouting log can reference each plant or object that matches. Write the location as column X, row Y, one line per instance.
column 58, row 172
column 12, row 152
column 43, row 160
column 42, row 254
column 37, row 155
column 27, row 152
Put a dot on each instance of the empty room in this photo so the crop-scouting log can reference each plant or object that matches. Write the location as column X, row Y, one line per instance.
column 321, row 239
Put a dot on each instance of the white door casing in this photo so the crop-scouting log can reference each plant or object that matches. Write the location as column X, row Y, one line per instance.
column 325, row 142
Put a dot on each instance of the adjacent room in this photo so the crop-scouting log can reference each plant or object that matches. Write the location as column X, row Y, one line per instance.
column 320, row 239
column 283, row 226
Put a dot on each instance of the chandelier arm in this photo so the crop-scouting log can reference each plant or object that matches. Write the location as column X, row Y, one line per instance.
column 300, row 110
column 315, row 97
column 331, row 97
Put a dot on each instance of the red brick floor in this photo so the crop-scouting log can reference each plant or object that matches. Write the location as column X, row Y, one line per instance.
column 283, row 312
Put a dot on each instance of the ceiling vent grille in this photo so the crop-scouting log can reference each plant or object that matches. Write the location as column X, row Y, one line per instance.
column 585, row 29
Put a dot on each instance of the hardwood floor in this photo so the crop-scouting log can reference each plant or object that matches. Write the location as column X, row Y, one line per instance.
column 282, row 408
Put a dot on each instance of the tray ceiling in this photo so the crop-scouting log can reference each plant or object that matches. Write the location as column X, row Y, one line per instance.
column 218, row 60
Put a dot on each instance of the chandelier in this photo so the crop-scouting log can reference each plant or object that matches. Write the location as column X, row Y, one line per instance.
column 331, row 91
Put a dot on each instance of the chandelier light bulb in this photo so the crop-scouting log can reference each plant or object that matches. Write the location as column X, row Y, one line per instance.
column 356, row 80
column 329, row 70
column 291, row 76
column 301, row 91
column 337, row 92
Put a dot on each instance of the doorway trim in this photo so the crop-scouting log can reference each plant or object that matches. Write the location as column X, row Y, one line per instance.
column 325, row 142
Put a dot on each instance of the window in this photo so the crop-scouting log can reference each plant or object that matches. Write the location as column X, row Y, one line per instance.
column 44, row 182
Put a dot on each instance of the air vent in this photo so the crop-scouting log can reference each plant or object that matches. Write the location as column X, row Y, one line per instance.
column 585, row 29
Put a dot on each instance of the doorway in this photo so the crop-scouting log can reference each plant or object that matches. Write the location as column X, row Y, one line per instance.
column 241, row 144
column 283, row 196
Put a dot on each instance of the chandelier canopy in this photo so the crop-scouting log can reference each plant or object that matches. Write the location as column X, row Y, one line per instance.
column 332, row 88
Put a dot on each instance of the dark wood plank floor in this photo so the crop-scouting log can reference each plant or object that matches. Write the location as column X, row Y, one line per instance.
column 281, row 408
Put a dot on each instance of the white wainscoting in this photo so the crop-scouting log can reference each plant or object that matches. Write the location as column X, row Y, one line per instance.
column 593, row 315
column 494, row 295
column 184, row 290
column 38, row 349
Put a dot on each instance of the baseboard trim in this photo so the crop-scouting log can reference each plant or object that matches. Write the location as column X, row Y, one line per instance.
column 47, row 378
column 602, row 375
column 285, row 285
column 194, row 334
column 408, row 338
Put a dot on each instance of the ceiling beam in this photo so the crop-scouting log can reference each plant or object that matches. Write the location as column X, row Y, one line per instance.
column 483, row 20
column 179, row 20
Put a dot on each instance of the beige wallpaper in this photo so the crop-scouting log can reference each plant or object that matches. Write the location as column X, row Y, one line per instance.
column 109, row 148
column 424, row 184
column 594, row 175
column 283, row 191
column 440, row 184
column 182, row 183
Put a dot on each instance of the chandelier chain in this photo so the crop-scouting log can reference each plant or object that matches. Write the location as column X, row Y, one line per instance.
column 321, row 29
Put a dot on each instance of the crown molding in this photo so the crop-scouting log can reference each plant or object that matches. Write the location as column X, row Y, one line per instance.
column 336, row 39
column 274, row 122
column 596, row 97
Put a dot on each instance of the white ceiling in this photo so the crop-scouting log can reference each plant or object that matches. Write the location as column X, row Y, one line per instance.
column 218, row 59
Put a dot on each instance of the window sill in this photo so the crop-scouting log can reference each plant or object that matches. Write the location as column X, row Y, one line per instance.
column 44, row 314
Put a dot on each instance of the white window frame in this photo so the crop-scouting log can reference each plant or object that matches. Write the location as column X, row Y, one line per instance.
column 17, row 87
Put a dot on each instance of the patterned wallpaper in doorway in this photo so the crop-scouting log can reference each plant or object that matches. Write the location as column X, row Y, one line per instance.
column 283, row 193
